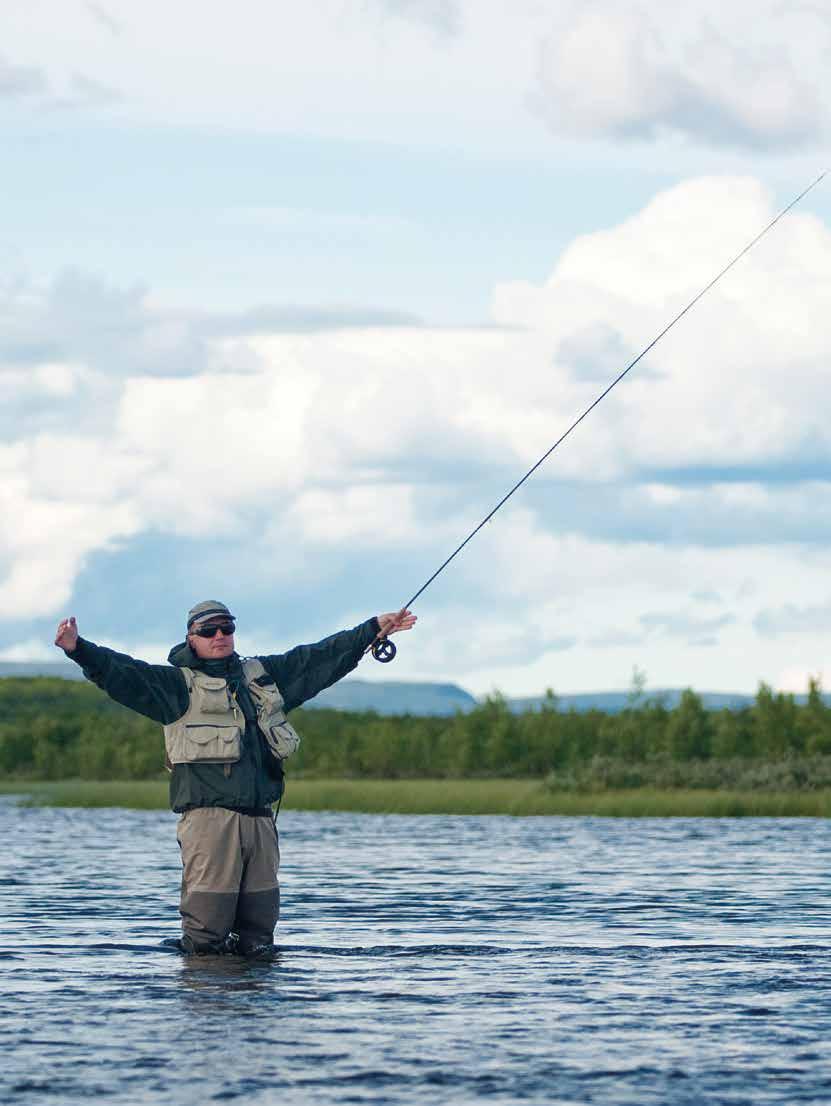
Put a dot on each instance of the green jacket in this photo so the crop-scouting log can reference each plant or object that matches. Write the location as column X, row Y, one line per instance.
column 159, row 691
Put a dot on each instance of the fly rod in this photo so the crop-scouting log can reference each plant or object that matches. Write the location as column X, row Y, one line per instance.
column 382, row 648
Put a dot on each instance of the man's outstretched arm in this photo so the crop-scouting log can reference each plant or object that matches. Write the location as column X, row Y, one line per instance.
column 157, row 691
column 304, row 671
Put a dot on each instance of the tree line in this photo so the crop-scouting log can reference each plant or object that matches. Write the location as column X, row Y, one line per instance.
column 58, row 729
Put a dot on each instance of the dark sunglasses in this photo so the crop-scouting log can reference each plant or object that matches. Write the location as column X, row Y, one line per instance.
column 225, row 628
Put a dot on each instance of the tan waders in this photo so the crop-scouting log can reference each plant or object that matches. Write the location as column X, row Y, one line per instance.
column 229, row 880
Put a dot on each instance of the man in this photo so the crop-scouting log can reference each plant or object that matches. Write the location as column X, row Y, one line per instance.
column 226, row 737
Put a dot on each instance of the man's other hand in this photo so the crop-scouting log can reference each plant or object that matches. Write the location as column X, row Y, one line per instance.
column 394, row 621
column 67, row 636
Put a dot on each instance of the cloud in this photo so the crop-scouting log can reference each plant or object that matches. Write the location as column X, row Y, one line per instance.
column 31, row 84
column 88, row 92
column 622, row 72
column 792, row 618
column 707, row 597
column 746, row 75
column 289, row 319
column 756, row 340
column 32, row 649
column 104, row 18
column 616, row 638
column 21, row 81
column 442, row 16
column 685, row 625
column 750, row 76
column 595, row 352
column 83, row 319
column 705, row 508
column 42, row 554
column 120, row 332
column 346, row 460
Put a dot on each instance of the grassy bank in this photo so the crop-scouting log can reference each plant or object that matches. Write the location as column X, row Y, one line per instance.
column 492, row 796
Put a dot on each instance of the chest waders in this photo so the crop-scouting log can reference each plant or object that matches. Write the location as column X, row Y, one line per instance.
column 230, row 890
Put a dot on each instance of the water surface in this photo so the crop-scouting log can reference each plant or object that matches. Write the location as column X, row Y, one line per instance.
column 425, row 959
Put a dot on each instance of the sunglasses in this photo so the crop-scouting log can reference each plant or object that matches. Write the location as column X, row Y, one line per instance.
column 225, row 628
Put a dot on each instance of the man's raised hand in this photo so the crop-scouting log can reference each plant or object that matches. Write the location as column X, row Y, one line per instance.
column 67, row 636
column 394, row 621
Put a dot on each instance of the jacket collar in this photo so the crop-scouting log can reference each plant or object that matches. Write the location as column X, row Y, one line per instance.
column 182, row 656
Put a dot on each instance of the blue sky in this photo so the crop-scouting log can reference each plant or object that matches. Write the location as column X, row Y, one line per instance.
column 290, row 299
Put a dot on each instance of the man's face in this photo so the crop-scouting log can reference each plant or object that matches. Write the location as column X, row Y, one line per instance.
column 216, row 646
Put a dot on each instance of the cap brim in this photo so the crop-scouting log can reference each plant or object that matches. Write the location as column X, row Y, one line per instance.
column 206, row 616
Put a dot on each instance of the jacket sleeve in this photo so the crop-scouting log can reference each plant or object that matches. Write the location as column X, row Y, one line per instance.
column 158, row 691
column 307, row 669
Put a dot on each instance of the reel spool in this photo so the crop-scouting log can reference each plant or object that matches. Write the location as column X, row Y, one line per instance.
column 383, row 650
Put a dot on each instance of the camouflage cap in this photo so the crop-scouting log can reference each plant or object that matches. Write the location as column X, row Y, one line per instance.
column 210, row 608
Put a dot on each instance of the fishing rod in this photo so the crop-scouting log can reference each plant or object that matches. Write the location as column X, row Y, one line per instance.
column 382, row 648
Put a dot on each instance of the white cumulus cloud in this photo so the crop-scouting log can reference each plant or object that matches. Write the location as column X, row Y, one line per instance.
column 739, row 75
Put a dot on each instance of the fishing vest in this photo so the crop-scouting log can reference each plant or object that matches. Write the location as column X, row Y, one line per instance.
column 210, row 731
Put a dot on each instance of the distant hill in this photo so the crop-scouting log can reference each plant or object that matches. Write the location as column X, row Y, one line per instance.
column 395, row 697
column 390, row 697
column 402, row 697
column 612, row 702
column 66, row 670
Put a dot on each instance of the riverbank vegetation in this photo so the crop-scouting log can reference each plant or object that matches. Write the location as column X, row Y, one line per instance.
column 540, row 761
column 508, row 797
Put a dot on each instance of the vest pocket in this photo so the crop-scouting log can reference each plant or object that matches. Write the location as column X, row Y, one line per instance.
column 211, row 695
column 205, row 743
column 283, row 739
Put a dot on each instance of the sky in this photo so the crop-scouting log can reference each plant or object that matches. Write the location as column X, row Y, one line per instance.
column 291, row 295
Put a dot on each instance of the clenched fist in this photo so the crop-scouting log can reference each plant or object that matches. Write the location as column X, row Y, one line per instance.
column 67, row 636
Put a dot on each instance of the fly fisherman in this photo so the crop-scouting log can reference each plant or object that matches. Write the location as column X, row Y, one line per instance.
column 226, row 736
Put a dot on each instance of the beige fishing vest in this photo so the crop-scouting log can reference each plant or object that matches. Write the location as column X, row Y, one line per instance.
column 210, row 731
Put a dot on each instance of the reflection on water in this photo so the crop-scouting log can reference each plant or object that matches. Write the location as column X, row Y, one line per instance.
column 428, row 959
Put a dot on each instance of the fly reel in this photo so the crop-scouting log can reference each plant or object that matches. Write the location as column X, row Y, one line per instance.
column 383, row 650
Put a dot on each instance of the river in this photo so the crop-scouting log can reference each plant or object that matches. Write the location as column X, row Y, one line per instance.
column 425, row 959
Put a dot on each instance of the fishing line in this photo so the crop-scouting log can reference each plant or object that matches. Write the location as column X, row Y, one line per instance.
column 382, row 648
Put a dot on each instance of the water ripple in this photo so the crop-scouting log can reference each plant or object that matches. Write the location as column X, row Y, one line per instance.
column 430, row 959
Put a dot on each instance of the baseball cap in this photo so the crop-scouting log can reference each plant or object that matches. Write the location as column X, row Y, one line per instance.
column 210, row 608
